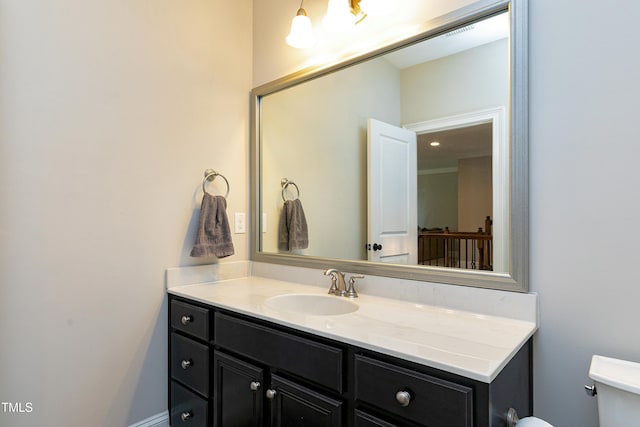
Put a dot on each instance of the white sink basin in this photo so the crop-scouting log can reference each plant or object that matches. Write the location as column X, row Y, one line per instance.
column 317, row 305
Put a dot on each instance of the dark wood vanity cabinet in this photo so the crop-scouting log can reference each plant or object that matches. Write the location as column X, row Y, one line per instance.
column 231, row 370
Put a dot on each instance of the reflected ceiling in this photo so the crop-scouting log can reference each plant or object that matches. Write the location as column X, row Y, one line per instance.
column 455, row 144
column 464, row 38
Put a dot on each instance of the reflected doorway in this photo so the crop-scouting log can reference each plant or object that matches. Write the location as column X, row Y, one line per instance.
column 457, row 200
column 455, row 178
column 455, row 197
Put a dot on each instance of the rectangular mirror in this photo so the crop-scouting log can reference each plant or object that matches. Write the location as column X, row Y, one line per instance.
column 409, row 162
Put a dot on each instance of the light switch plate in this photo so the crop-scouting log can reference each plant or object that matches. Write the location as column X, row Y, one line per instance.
column 240, row 223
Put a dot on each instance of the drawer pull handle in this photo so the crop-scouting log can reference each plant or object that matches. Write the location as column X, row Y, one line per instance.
column 403, row 397
column 255, row 385
column 271, row 394
column 186, row 415
column 185, row 320
column 186, row 364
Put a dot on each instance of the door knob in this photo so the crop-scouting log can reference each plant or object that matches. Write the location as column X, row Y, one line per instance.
column 255, row 385
column 271, row 394
column 377, row 247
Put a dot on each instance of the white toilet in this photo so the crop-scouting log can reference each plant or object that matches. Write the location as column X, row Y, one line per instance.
column 617, row 387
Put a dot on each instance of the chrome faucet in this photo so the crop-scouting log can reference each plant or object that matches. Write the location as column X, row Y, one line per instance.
column 338, row 285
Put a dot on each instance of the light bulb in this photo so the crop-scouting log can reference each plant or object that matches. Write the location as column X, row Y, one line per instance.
column 301, row 35
column 338, row 17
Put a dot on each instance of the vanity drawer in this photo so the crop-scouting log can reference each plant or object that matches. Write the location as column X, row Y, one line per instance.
column 187, row 408
column 310, row 360
column 190, row 319
column 433, row 401
column 190, row 363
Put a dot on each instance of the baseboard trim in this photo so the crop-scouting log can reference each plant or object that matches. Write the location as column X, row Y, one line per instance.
column 158, row 420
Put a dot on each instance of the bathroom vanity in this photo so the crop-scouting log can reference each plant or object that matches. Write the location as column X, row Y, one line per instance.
column 240, row 358
column 256, row 350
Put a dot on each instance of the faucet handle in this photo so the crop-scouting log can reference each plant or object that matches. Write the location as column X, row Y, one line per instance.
column 333, row 290
column 351, row 292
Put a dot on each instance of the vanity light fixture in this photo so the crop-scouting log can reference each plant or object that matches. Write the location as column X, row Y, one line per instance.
column 301, row 35
column 342, row 15
column 434, row 144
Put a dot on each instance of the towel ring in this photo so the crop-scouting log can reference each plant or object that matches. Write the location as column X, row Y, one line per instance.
column 210, row 175
column 284, row 182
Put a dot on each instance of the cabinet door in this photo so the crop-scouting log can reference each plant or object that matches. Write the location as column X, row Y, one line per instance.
column 238, row 392
column 295, row 406
column 362, row 419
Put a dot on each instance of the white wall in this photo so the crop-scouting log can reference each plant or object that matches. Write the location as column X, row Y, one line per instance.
column 475, row 193
column 110, row 112
column 442, row 187
column 583, row 106
column 584, row 207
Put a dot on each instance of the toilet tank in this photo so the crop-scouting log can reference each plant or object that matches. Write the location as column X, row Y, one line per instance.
column 618, row 387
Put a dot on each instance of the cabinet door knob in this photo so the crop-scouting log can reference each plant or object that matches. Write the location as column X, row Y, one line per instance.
column 185, row 320
column 403, row 397
column 271, row 393
column 186, row 415
column 255, row 385
column 186, row 364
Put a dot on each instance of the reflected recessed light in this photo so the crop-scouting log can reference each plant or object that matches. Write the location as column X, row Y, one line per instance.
column 434, row 144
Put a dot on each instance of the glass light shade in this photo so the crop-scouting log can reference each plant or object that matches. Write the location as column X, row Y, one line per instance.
column 301, row 34
column 378, row 7
column 338, row 17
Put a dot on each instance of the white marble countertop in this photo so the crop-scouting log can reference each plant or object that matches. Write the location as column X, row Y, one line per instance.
column 473, row 345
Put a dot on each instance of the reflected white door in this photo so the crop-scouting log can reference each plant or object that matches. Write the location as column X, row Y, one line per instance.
column 392, row 194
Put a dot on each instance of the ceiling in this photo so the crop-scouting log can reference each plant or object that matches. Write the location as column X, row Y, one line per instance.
column 455, row 144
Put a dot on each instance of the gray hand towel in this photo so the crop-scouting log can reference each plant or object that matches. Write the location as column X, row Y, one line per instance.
column 292, row 231
column 214, row 236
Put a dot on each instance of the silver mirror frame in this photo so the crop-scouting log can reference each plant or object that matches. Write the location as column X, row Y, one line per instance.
column 517, row 277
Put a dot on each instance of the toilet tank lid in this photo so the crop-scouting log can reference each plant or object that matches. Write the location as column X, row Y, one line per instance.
column 617, row 373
